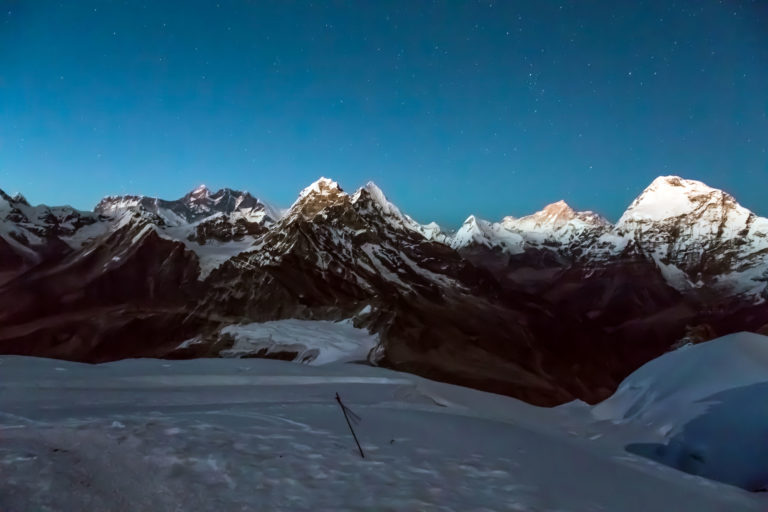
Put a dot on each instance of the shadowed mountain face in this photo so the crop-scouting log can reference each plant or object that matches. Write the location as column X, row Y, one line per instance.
column 550, row 307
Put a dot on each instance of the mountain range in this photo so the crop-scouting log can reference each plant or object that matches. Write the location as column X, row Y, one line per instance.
column 549, row 307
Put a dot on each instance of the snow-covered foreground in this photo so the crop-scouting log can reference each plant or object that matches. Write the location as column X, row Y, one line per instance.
column 707, row 406
column 237, row 435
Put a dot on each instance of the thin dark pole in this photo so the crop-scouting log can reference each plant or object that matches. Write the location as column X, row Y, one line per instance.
column 344, row 412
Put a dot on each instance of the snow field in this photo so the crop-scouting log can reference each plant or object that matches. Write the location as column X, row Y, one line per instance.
column 249, row 435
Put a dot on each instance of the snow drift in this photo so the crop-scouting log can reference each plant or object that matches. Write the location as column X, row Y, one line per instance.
column 708, row 403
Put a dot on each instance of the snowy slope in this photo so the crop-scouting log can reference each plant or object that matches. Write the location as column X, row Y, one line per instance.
column 314, row 342
column 213, row 252
column 253, row 435
column 706, row 403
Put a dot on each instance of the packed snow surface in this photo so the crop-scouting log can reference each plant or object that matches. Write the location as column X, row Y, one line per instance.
column 316, row 342
column 708, row 405
column 255, row 435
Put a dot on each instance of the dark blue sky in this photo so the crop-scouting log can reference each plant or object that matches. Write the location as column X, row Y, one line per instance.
column 491, row 108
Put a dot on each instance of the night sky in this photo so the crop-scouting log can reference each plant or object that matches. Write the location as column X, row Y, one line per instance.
column 453, row 108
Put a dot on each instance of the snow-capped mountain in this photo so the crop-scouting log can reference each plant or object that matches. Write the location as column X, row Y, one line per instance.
column 200, row 215
column 697, row 236
column 548, row 307
column 557, row 227
column 201, row 203
column 33, row 235
column 479, row 232
column 213, row 225
column 334, row 255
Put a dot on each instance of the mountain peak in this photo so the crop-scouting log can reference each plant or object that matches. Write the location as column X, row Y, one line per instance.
column 672, row 179
column 681, row 184
column 470, row 232
column 192, row 207
column 554, row 216
column 314, row 198
column 378, row 197
column 15, row 198
column 557, row 213
column 672, row 196
column 393, row 215
column 201, row 193
column 480, row 232
column 374, row 190
column 19, row 198
column 558, row 205
column 323, row 187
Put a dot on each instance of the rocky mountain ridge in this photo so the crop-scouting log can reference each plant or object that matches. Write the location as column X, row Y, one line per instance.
column 549, row 307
